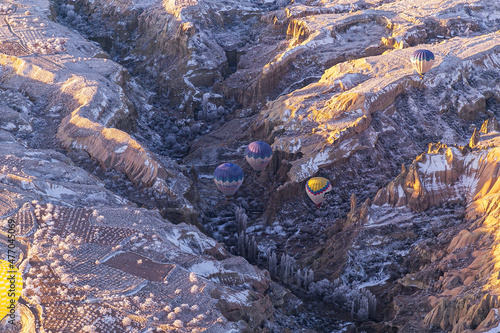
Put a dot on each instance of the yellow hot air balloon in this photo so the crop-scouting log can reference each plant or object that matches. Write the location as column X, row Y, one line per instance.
column 316, row 189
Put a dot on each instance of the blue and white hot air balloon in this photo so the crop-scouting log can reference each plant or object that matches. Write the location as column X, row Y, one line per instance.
column 258, row 154
column 228, row 177
column 422, row 61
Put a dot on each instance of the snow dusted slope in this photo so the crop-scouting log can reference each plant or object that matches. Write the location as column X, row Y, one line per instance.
column 72, row 92
column 90, row 259
column 427, row 246
column 330, row 120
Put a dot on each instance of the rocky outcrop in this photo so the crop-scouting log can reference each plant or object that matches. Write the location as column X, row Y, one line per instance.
column 119, row 255
column 356, row 126
column 113, row 148
column 317, row 35
column 85, row 101
column 180, row 48
column 462, row 314
column 303, row 53
column 184, row 48
column 414, row 235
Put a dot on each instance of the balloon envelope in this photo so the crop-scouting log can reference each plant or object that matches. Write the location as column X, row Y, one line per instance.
column 316, row 189
column 422, row 61
column 258, row 154
column 228, row 177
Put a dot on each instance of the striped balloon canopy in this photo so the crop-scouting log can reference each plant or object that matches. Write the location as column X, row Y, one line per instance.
column 316, row 188
column 228, row 177
column 258, row 154
column 422, row 61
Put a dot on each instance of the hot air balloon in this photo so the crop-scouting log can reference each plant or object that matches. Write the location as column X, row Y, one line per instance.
column 258, row 154
column 316, row 189
column 422, row 61
column 228, row 177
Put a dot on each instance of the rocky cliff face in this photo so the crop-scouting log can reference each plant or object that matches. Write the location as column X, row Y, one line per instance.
column 74, row 97
column 445, row 256
column 329, row 84
column 92, row 256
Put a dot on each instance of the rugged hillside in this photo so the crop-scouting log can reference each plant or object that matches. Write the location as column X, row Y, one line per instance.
column 93, row 260
column 69, row 95
column 184, row 47
column 428, row 242
column 365, row 117
column 164, row 91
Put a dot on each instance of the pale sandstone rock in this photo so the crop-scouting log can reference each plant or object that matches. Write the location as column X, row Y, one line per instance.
column 230, row 293
column 462, row 304
column 86, row 94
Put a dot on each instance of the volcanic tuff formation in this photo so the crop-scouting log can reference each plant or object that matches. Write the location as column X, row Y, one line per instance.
column 91, row 259
column 94, row 261
column 438, row 222
column 399, row 245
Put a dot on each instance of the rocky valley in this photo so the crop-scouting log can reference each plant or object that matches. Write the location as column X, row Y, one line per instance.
column 115, row 114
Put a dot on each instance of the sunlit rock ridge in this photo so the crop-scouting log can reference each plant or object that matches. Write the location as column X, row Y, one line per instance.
column 81, row 89
column 92, row 261
column 115, row 114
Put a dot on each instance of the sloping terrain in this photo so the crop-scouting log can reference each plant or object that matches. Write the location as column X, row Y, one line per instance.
column 69, row 95
column 110, row 106
column 429, row 241
column 167, row 277
column 93, row 261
